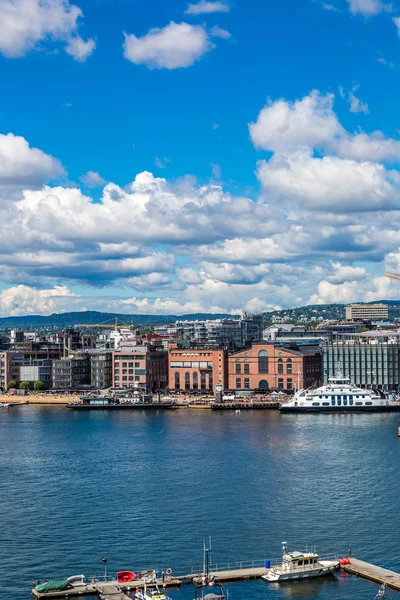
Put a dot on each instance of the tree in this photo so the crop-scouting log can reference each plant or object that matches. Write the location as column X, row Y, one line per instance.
column 24, row 385
column 38, row 386
column 11, row 384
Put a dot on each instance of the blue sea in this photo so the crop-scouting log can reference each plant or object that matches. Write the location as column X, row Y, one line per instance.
column 145, row 489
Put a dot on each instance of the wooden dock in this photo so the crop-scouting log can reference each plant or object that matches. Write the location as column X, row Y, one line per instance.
column 109, row 591
column 230, row 575
column 373, row 573
column 92, row 589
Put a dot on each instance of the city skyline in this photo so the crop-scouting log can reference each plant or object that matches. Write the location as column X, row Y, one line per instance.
column 198, row 157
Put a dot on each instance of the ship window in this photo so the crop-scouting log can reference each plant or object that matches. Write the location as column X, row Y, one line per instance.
column 325, row 404
column 316, row 404
column 344, row 397
column 333, row 401
column 359, row 403
column 339, row 402
column 344, row 401
column 368, row 403
column 351, row 401
column 363, row 396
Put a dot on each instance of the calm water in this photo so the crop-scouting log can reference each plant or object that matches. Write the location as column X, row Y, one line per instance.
column 145, row 489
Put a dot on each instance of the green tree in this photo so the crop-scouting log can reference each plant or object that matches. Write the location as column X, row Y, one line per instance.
column 24, row 385
column 38, row 386
column 11, row 384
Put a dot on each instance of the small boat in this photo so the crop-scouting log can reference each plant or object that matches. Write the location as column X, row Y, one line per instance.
column 300, row 565
column 125, row 576
column 381, row 592
column 77, row 580
column 152, row 592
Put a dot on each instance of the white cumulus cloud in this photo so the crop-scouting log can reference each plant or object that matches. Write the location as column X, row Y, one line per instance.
column 178, row 45
column 368, row 8
column 24, row 24
column 205, row 7
column 92, row 179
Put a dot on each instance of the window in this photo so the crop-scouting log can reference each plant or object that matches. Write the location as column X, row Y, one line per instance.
column 238, row 368
column 359, row 403
column 124, row 364
column 131, row 371
column 246, row 369
column 137, row 364
column 325, row 404
column 263, row 361
column 263, row 384
column 203, row 380
column 316, row 404
column 333, row 401
column 280, row 383
column 289, row 366
column 195, row 381
column 125, row 378
column 130, row 365
column 246, row 383
column 187, row 381
column 368, row 403
column 280, row 366
column 289, row 384
column 238, row 383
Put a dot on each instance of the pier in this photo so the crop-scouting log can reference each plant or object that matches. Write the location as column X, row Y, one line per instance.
column 108, row 591
column 372, row 572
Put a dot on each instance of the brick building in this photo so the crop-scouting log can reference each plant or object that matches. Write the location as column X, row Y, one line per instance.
column 140, row 366
column 196, row 369
column 267, row 366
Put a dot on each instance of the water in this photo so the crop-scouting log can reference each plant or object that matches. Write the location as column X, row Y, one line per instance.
column 145, row 489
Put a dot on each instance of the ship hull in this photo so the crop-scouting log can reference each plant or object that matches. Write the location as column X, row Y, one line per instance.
column 339, row 409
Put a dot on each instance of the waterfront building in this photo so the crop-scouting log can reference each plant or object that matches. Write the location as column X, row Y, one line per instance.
column 71, row 372
column 368, row 362
column 101, row 368
column 266, row 365
column 144, row 366
column 199, row 369
column 235, row 333
column 368, row 312
column 37, row 370
column 26, row 354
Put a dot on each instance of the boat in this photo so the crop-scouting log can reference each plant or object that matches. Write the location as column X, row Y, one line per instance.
column 151, row 592
column 300, row 565
column 119, row 403
column 339, row 395
column 208, row 588
column 77, row 580
column 381, row 592
column 125, row 576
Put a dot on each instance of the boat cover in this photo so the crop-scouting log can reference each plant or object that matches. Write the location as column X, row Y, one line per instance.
column 55, row 585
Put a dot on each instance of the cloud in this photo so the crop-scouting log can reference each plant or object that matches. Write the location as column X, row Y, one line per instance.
column 284, row 126
column 92, row 179
column 204, row 7
column 375, row 147
column 330, row 183
column 178, row 45
column 384, row 61
column 24, row 24
column 161, row 163
column 79, row 49
column 216, row 170
column 368, row 8
column 24, row 300
column 356, row 105
column 221, row 33
column 22, row 165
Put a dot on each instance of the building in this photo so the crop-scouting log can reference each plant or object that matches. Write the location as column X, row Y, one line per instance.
column 101, row 368
column 26, row 354
column 268, row 366
column 368, row 362
column 367, row 312
column 235, row 333
column 72, row 372
column 143, row 366
column 37, row 370
column 197, row 369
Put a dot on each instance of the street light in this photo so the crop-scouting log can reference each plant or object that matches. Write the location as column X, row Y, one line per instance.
column 104, row 560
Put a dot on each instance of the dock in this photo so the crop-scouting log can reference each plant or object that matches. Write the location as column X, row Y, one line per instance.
column 109, row 591
column 372, row 572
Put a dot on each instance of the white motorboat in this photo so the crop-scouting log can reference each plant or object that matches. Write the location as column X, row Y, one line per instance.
column 300, row 565
column 151, row 593
column 339, row 395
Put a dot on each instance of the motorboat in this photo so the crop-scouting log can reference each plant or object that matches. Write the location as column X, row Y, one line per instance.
column 125, row 576
column 381, row 592
column 152, row 592
column 300, row 565
column 339, row 395
column 77, row 580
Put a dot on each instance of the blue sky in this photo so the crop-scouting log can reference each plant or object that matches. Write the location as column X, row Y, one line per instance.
column 300, row 207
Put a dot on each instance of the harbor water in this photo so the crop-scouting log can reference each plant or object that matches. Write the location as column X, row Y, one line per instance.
column 145, row 489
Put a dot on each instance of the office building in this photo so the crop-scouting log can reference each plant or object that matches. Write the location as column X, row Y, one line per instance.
column 367, row 312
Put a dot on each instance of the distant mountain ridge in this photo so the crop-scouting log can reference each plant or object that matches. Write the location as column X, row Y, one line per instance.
column 69, row 319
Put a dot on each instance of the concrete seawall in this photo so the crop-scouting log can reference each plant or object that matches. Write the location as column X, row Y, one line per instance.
column 39, row 398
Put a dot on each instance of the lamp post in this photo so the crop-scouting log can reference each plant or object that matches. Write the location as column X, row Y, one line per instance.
column 104, row 560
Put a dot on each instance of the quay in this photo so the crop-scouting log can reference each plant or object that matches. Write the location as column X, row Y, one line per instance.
column 244, row 405
column 108, row 591
column 372, row 572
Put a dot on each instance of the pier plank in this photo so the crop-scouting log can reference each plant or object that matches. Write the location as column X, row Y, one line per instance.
column 373, row 573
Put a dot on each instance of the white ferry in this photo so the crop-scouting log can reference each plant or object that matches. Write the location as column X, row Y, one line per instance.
column 300, row 565
column 340, row 395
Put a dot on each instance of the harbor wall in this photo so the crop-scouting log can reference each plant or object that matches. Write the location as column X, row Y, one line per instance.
column 39, row 398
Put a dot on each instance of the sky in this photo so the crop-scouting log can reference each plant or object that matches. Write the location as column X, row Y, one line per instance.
column 208, row 156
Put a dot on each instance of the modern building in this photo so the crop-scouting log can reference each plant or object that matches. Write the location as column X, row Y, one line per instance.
column 235, row 333
column 71, row 372
column 101, row 368
column 368, row 362
column 367, row 312
column 268, row 366
column 197, row 369
column 37, row 370
column 140, row 366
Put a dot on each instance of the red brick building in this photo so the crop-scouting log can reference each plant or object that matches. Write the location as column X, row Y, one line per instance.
column 194, row 369
column 267, row 366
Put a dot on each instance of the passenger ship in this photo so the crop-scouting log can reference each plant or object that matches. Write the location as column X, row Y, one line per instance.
column 339, row 395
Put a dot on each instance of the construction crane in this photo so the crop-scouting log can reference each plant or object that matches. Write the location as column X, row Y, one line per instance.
column 107, row 325
column 392, row 275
